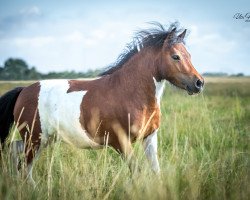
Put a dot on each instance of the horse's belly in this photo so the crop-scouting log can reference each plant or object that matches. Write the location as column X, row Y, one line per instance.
column 59, row 113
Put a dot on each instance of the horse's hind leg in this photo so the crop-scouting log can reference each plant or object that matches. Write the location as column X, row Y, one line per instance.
column 17, row 148
column 26, row 112
column 32, row 149
column 32, row 142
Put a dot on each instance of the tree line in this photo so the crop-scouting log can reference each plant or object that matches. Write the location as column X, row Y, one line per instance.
column 18, row 69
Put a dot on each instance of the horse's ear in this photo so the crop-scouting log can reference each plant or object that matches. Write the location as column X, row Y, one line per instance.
column 182, row 35
column 173, row 30
column 169, row 38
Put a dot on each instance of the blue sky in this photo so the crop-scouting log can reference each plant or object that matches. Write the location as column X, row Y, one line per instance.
column 82, row 35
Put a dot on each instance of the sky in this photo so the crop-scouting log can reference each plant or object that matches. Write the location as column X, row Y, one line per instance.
column 82, row 35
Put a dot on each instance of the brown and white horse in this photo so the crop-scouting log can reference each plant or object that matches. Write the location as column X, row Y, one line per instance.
column 116, row 109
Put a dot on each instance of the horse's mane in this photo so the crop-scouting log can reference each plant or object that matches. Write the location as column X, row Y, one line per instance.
column 153, row 37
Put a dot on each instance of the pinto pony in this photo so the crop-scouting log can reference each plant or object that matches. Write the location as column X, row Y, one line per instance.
column 116, row 109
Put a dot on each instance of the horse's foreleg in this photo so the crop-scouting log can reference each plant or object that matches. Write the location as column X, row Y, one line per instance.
column 126, row 152
column 150, row 148
column 132, row 161
column 122, row 144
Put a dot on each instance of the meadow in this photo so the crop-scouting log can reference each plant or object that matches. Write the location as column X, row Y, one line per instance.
column 203, row 152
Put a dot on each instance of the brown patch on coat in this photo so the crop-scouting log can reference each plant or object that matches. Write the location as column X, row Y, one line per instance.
column 27, row 118
column 126, row 97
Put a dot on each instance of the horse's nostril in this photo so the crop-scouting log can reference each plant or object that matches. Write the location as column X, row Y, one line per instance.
column 199, row 84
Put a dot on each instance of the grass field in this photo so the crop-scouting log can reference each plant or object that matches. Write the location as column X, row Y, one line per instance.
column 203, row 152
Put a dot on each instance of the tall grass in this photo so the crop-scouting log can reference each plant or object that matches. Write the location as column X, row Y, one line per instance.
column 203, row 153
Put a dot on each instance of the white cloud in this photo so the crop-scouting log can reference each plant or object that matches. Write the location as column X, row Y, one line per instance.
column 213, row 52
column 75, row 36
column 72, row 50
column 31, row 42
column 44, row 41
column 79, row 38
column 33, row 10
column 99, row 34
column 210, row 42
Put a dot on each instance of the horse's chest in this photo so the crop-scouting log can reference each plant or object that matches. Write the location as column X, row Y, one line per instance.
column 144, row 122
column 59, row 113
column 147, row 121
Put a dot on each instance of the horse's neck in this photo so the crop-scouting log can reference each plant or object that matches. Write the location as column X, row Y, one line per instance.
column 141, row 72
column 142, row 65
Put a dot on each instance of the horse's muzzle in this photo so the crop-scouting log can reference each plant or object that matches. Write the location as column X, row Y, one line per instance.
column 195, row 87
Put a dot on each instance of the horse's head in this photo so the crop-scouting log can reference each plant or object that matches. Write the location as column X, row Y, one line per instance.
column 176, row 64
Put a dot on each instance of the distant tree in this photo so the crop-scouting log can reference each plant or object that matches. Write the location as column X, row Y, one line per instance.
column 92, row 73
column 18, row 69
column 239, row 74
column 215, row 74
column 71, row 74
column 33, row 74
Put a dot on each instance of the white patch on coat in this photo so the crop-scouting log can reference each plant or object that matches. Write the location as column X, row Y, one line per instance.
column 59, row 113
column 159, row 89
column 150, row 148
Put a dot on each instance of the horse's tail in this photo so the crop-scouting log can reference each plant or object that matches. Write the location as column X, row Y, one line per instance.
column 7, row 104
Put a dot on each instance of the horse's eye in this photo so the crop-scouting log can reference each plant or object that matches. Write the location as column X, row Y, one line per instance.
column 176, row 57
